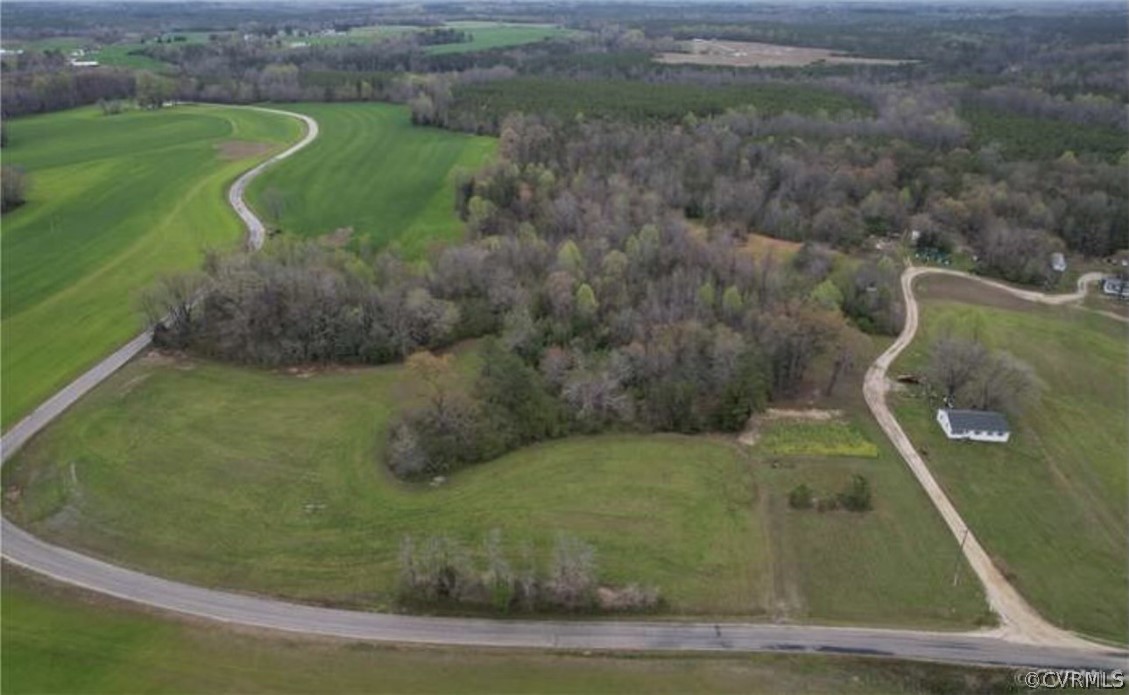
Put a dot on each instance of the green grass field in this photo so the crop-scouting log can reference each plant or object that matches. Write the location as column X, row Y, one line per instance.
column 113, row 202
column 484, row 35
column 60, row 640
column 272, row 482
column 115, row 54
column 373, row 171
column 487, row 35
column 1050, row 505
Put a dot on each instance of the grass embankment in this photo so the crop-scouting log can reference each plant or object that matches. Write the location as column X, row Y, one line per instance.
column 272, row 482
column 1050, row 505
column 63, row 641
column 372, row 171
column 114, row 201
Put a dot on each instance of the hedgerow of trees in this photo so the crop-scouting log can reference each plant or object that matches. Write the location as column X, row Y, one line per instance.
column 440, row 571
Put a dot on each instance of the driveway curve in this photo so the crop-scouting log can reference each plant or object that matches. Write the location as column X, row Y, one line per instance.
column 1019, row 621
column 67, row 566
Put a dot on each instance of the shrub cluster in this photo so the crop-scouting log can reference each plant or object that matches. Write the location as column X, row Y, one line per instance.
column 855, row 498
column 441, row 571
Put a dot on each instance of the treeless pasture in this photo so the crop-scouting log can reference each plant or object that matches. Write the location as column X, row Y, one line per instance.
column 746, row 54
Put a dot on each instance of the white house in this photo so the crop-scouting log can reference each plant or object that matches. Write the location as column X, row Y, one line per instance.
column 1115, row 287
column 1058, row 262
column 977, row 425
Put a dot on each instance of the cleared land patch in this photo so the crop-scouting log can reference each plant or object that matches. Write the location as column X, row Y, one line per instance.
column 114, row 201
column 160, row 468
column 765, row 55
column 784, row 434
column 1049, row 505
column 372, row 171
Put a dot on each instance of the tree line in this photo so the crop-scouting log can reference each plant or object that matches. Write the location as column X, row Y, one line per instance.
column 440, row 571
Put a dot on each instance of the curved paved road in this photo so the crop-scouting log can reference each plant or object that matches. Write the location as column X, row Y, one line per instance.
column 1019, row 622
column 67, row 566
column 256, row 231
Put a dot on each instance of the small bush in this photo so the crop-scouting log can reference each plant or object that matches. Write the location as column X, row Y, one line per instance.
column 800, row 497
column 857, row 496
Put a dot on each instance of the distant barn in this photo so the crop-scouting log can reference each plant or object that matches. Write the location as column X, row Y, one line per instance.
column 977, row 425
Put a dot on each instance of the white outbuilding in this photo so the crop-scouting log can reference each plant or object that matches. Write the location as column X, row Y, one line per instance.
column 977, row 425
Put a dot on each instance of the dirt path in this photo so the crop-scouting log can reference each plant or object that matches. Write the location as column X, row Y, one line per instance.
column 1019, row 622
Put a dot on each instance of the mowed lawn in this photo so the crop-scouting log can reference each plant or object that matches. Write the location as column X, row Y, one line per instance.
column 273, row 482
column 60, row 640
column 373, row 171
column 1051, row 504
column 113, row 202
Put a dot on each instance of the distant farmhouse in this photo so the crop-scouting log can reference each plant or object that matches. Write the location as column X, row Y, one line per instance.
column 1116, row 287
column 977, row 425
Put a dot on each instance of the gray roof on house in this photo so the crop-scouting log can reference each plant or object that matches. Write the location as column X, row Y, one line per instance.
column 977, row 421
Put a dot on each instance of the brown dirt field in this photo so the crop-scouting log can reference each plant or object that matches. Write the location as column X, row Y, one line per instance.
column 759, row 245
column 338, row 238
column 957, row 289
column 753, row 54
column 242, row 149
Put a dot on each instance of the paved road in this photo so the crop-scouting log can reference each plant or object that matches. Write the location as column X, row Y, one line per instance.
column 1019, row 621
column 23, row 549
column 73, row 568
column 256, row 231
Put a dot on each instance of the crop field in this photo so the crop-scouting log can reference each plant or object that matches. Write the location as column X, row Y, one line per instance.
column 60, row 640
column 484, row 35
column 160, row 468
column 114, row 201
column 371, row 171
column 1050, row 505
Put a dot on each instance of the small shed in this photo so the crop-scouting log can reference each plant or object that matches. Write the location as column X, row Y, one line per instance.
column 1058, row 262
column 977, row 425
